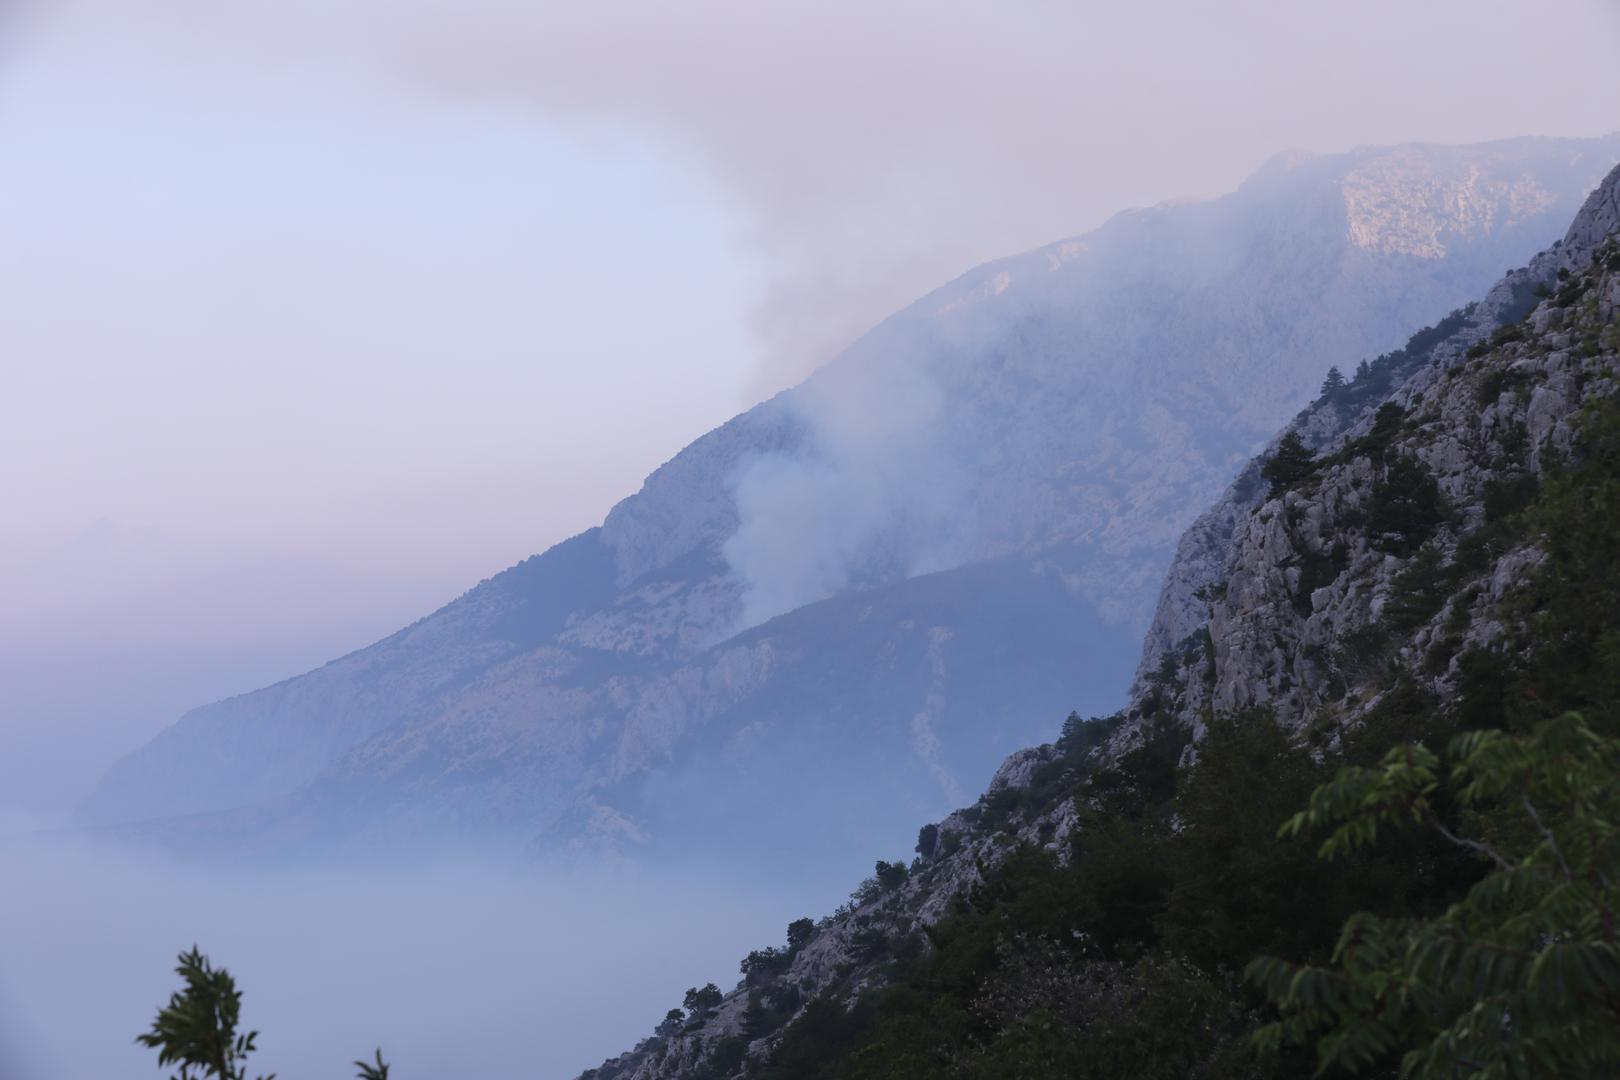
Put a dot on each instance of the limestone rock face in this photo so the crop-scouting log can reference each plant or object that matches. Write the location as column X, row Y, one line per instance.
column 1289, row 587
column 849, row 603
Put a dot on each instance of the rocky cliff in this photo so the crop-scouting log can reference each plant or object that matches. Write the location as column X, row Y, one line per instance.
column 848, row 603
column 1396, row 573
column 1281, row 580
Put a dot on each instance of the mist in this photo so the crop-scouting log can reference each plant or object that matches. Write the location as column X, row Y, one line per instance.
column 454, row 967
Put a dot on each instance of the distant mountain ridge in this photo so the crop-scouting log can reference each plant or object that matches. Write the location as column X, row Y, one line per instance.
column 848, row 603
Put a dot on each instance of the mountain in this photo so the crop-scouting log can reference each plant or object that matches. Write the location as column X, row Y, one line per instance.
column 1447, row 561
column 845, row 605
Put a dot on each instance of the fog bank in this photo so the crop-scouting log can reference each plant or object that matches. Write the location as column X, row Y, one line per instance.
column 456, row 969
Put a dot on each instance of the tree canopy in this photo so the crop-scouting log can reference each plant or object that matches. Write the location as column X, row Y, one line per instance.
column 1521, row 977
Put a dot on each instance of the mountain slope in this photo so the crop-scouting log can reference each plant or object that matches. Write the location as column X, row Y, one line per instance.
column 1449, row 560
column 1001, row 470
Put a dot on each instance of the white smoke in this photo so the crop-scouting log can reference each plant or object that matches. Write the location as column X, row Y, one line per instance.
column 874, row 494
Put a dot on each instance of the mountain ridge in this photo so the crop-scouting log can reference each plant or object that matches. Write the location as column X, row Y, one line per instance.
column 999, row 418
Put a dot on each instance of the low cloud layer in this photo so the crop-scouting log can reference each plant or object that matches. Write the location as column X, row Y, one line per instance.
column 454, row 968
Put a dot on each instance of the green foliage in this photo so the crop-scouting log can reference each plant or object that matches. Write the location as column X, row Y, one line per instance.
column 1507, row 495
column 1292, row 462
column 1158, row 1016
column 764, row 962
column 886, row 877
column 197, row 1030
column 1365, row 652
column 1520, row 977
column 1386, row 425
column 1505, row 334
column 1575, row 592
column 891, row 875
column 1515, row 440
column 1081, row 736
column 700, row 1001
column 1333, row 385
column 817, row 1042
column 799, row 933
column 761, row 965
column 725, row 1058
column 1562, row 649
column 1568, row 294
column 1375, row 379
column 376, row 1069
column 927, row 840
column 1418, row 592
column 1122, row 960
column 1405, row 509
column 1234, row 893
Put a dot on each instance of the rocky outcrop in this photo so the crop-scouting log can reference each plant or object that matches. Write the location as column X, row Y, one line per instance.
column 1315, row 567
column 1205, row 548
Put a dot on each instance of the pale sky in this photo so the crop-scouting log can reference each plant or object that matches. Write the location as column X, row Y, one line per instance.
column 313, row 314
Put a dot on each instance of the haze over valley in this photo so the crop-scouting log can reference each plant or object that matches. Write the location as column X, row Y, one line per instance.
column 512, row 510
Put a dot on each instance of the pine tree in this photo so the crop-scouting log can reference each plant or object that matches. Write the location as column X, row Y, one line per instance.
column 1292, row 462
column 1072, row 728
column 1333, row 383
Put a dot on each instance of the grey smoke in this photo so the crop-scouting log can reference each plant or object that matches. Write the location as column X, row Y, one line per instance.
column 871, row 151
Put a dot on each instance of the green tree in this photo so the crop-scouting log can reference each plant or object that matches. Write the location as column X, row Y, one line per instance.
column 1073, row 727
column 1292, row 463
column 700, row 1001
column 1405, row 509
column 197, row 1029
column 1236, row 892
column 891, row 875
column 1333, row 383
column 671, row 1023
column 1520, row 977
column 764, row 962
column 799, row 933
